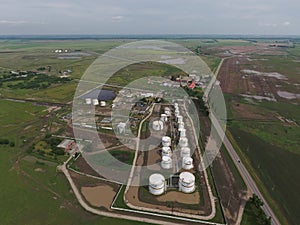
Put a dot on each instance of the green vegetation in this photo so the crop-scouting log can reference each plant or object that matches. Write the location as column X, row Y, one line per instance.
column 139, row 70
column 123, row 156
column 32, row 192
column 269, row 165
column 30, row 80
column 254, row 214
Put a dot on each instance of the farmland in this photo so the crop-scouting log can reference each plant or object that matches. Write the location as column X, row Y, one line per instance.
column 264, row 123
column 33, row 192
column 260, row 85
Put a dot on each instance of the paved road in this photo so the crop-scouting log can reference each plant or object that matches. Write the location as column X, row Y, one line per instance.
column 138, row 217
column 239, row 165
column 243, row 171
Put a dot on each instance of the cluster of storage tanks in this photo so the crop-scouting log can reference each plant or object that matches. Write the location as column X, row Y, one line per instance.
column 94, row 102
column 185, row 151
column 158, row 185
column 186, row 183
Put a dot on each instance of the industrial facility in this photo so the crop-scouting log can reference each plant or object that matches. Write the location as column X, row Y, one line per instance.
column 175, row 154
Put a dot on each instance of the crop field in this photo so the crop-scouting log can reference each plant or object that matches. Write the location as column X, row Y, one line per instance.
column 261, row 91
column 261, row 86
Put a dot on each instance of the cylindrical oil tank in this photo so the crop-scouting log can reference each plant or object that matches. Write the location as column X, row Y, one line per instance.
column 182, row 132
column 166, row 162
column 157, row 125
column 102, row 103
column 179, row 119
column 95, row 101
column 186, row 182
column 164, row 117
column 88, row 101
column 185, row 152
column 183, row 142
column 166, row 141
column 166, row 151
column 167, row 111
column 157, row 184
column 187, row 163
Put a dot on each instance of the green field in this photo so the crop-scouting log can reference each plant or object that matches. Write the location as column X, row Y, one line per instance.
column 31, row 191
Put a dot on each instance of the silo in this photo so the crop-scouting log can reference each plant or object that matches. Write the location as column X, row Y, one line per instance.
column 186, row 182
column 166, row 151
column 157, row 184
column 187, row 163
column 166, row 141
column 166, row 162
column 185, row 152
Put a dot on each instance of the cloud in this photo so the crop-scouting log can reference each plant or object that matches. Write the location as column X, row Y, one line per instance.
column 268, row 24
column 19, row 22
column 13, row 22
column 287, row 23
column 117, row 18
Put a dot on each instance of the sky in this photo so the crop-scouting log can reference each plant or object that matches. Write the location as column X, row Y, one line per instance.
column 230, row 17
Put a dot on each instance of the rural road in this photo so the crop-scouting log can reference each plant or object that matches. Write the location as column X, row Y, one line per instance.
column 243, row 171
column 239, row 165
column 82, row 202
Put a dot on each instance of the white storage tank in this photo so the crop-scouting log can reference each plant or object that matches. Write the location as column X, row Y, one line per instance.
column 187, row 163
column 182, row 132
column 180, row 126
column 157, row 125
column 102, row 103
column 164, row 117
column 183, row 142
column 179, row 119
column 166, row 162
column 166, row 151
column 95, row 101
column 186, row 182
column 166, row 141
column 88, row 101
column 121, row 128
column 185, row 152
column 157, row 184
column 167, row 111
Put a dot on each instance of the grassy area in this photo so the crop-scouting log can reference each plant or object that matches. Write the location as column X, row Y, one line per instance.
column 254, row 214
column 273, row 168
column 32, row 192
column 145, row 69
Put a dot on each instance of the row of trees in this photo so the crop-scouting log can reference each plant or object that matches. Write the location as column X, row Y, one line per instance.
column 4, row 141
